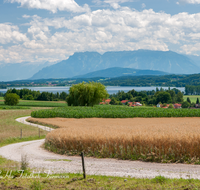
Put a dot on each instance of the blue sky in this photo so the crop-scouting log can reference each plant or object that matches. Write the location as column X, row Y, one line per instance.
column 37, row 31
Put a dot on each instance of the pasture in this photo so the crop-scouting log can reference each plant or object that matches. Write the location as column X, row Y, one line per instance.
column 193, row 98
column 32, row 103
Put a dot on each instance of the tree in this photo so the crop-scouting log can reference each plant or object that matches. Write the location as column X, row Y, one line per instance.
column 185, row 104
column 188, row 100
column 179, row 97
column 11, row 99
column 86, row 94
column 163, row 97
column 197, row 102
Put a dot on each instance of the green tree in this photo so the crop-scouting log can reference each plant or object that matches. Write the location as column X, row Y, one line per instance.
column 11, row 99
column 179, row 97
column 188, row 100
column 86, row 94
column 171, row 106
column 197, row 102
column 185, row 104
column 163, row 97
column 113, row 101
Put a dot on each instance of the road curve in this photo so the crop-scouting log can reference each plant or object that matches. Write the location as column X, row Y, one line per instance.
column 43, row 160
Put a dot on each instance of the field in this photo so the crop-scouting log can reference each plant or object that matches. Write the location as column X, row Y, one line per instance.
column 28, row 103
column 10, row 132
column 149, row 139
column 114, row 112
column 193, row 98
column 11, row 129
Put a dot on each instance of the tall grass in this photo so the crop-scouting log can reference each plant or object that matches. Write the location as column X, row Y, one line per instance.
column 174, row 142
column 114, row 112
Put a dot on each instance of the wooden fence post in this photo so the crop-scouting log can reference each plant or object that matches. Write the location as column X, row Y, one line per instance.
column 21, row 134
column 83, row 164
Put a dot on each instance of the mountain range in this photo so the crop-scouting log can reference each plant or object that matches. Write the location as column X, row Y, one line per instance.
column 93, row 64
column 82, row 63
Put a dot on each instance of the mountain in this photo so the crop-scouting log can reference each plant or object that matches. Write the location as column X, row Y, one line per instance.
column 86, row 62
column 19, row 71
column 118, row 72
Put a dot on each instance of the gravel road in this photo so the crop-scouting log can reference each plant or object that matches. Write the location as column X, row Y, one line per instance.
column 42, row 160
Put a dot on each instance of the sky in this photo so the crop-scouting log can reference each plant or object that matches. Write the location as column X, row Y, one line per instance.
column 37, row 31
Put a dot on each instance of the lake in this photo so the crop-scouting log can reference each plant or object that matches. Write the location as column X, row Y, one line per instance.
column 110, row 89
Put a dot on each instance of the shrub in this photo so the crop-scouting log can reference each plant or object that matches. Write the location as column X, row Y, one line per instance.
column 11, row 99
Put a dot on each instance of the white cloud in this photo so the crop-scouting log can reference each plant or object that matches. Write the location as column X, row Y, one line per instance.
column 11, row 34
column 102, row 30
column 52, row 5
column 189, row 1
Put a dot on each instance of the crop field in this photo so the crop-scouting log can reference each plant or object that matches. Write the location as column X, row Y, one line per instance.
column 38, row 103
column 193, row 98
column 166, row 140
column 114, row 112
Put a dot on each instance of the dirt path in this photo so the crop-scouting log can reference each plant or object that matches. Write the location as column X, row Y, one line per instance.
column 43, row 160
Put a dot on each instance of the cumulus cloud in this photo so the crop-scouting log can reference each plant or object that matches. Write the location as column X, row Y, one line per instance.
column 52, row 5
column 102, row 30
column 11, row 34
column 189, row 1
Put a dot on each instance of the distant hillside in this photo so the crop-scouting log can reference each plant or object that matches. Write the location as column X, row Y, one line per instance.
column 86, row 62
column 118, row 71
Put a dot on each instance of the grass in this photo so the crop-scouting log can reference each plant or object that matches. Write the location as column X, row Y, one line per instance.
column 108, row 111
column 1, row 98
column 29, row 103
column 75, row 181
column 10, row 132
column 9, row 128
column 193, row 98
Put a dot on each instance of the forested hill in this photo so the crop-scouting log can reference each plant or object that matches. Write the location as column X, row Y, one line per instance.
column 166, row 80
column 119, row 71
column 85, row 62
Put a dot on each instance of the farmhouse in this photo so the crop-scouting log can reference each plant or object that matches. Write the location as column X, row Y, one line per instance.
column 124, row 101
column 177, row 106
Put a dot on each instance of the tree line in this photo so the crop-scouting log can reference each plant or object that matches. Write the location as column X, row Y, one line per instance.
column 149, row 97
column 27, row 94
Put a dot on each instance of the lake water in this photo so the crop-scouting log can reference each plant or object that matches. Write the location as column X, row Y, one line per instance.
column 110, row 89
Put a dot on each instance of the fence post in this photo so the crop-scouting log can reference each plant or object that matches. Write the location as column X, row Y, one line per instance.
column 21, row 134
column 83, row 164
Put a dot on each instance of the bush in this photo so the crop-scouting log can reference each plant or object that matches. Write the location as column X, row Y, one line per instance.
column 185, row 104
column 11, row 99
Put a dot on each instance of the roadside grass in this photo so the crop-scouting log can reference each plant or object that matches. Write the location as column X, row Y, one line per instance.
column 23, row 103
column 10, row 132
column 193, row 98
column 9, row 128
column 76, row 181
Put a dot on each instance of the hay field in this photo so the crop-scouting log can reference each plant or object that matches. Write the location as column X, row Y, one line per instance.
column 148, row 139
